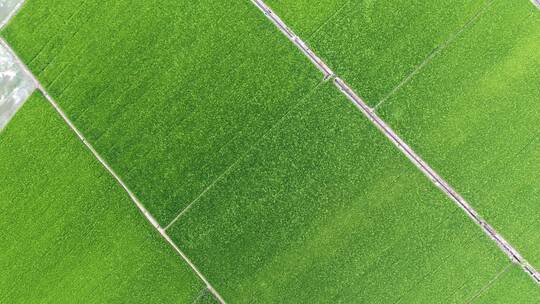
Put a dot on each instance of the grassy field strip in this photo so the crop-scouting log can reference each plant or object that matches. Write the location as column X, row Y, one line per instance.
column 436, row 52
column 323, row 67
column 438, row 181
column 69, row 233
column 132, row 196
column 13, row 6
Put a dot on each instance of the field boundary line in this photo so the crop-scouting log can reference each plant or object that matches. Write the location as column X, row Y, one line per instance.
column 329, row 19
column 12, row 14
column 433, row 176
column 109, row 169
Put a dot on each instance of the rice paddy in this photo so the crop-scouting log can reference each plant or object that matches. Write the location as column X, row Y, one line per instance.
column 270, row 185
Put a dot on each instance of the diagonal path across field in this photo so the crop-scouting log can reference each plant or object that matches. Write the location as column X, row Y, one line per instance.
column 119, row 180
column 439, row 182
column 296, row 203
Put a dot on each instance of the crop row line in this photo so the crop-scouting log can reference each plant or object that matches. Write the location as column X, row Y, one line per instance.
column 435, row 52
column 434, row 177
column 111, row 171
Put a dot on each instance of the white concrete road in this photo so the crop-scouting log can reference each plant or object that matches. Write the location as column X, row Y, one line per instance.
column 15, row 85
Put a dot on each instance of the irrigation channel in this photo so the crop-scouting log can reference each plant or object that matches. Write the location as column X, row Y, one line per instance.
column 435, row 178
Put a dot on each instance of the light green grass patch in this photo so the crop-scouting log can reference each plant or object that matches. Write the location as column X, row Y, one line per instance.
column 69, row 233
column 473, row 115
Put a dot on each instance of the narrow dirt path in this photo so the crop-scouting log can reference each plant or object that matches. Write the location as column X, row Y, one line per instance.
column 435, row 178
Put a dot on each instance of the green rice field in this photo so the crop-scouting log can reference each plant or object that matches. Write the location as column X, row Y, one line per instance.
column 69, row 233
column 315, row 218
column 374, row 45
column 275, row 187
column 482, row 93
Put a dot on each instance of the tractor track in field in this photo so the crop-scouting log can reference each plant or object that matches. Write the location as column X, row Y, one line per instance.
column 109, row 169
column 434, row 177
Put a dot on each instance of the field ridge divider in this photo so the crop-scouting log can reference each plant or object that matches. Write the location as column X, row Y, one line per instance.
column 109, row 169
column 432, row 175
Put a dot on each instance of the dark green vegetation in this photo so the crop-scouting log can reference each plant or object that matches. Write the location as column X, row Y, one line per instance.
column 69, row 233
column 324, row 210
column 374, row 45
column 169, row 94
column 473, row 114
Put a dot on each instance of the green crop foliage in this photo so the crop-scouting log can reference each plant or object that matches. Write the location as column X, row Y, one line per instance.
column 169, row 94
column 511, row 286
column 70, row 234
column 473, row 114
column 374, row 45
column 324, row 209
column 293, row 196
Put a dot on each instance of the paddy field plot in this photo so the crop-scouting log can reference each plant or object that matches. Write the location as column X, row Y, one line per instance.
column 69, row 233
column 323, row 209
column 267, row 177
column 473, row 114
column 168, row 94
